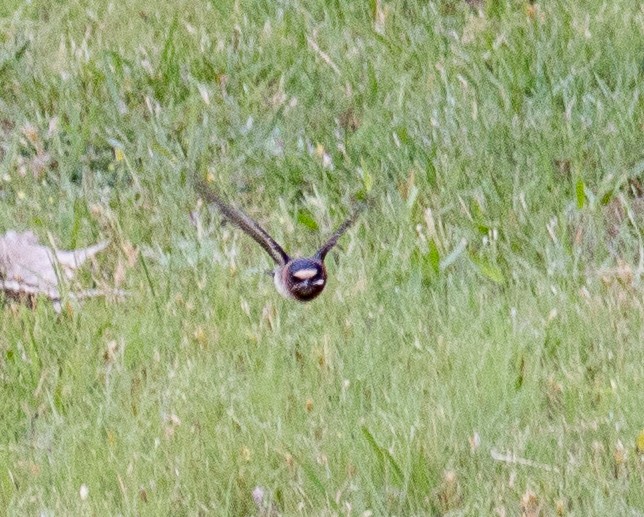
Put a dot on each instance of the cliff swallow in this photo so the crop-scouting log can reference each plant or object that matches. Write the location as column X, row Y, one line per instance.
column 301, row 279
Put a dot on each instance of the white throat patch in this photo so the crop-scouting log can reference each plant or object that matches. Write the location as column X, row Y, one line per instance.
column 280, row 285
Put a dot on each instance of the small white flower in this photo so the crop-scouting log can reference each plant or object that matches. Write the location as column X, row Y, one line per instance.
column 258, row 496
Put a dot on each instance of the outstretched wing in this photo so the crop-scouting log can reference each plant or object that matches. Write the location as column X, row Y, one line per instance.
column 244, row 222
column 321, row 253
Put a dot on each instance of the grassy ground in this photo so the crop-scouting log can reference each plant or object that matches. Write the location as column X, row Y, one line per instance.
column 479, row 349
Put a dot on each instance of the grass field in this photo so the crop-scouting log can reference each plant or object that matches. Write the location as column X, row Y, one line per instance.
column 479, row 347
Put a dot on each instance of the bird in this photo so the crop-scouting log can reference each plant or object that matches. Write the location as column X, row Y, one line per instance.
column 297, row 278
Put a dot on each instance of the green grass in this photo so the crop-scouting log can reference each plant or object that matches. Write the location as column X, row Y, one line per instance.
column 489, row 303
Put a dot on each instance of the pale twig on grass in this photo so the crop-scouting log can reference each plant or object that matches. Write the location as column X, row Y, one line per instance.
column 13, row 286
column 516, row 460
column 323, row 55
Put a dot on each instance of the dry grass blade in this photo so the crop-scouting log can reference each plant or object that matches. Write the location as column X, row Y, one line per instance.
column 516, row 460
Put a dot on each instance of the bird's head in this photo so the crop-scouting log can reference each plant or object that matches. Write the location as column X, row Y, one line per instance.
column 302, row 279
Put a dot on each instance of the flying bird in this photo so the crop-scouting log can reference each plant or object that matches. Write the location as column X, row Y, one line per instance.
column 298, row 278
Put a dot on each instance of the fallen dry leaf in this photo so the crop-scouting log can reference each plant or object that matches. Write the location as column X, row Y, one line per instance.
column 29, row 269
column 619, row 460
column 119, row 273
column 379, row 17
column 530, row 505
column 449, row 493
